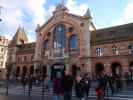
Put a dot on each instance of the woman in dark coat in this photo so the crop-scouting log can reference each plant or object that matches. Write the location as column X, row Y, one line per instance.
column 79, row 88
column 57, row 87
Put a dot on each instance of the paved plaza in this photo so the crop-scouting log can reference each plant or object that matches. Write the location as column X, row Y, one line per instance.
column 17, row 91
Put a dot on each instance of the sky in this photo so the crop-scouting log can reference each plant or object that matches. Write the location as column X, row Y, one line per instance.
column 29, row 13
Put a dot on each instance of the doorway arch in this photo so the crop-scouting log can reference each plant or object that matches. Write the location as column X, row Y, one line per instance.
column 116, row 68
column 57, row 67
column 99, row 68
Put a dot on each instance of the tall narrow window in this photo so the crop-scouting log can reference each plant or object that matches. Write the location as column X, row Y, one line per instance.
column 99, row 52
column 73, row 43
column 115, row 50
column 59, row 36
column 46, row 44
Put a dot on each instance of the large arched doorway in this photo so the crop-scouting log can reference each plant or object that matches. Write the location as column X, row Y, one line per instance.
column 116, row 68
column 57, row 67
column 99, row 68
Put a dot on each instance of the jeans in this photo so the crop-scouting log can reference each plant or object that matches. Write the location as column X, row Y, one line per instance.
column 68, row 95
column 57, row 97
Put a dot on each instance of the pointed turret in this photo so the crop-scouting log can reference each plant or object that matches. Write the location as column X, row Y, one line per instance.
column 20, row 37
column 88, row 14
column 60, row 8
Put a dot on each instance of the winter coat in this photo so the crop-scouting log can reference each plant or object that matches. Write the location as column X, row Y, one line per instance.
column 57, row 86
column 80, row 89
column 67, row 83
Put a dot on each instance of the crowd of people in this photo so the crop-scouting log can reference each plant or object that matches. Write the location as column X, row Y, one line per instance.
column 63, row 85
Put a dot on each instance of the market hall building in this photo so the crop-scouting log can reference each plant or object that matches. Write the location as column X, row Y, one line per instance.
column 65, row 42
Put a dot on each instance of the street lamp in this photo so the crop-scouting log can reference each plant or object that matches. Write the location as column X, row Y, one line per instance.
column 66, row 58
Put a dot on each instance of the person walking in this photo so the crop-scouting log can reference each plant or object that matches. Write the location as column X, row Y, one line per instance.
column 57, row 86
column 87, row 82
column 100, row 88
column 67, row 84
column 79, row 88
column 24, row 82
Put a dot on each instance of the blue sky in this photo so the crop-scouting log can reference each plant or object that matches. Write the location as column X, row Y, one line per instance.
column 29, row 13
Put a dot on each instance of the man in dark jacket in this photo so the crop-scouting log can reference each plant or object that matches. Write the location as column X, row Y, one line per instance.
column 79, row 88
column 67, row 83
column 87, row 82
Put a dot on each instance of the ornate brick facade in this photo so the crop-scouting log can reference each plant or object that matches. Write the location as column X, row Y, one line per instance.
column 105, row 50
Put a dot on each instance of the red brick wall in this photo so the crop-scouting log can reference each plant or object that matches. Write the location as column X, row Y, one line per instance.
column 124, row 58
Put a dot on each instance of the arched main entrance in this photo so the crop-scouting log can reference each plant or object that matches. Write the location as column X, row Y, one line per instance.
column 116, row 68
column 99, row 68
column 57, row 67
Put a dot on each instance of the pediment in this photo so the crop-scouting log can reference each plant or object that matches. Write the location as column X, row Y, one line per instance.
column 61, row 18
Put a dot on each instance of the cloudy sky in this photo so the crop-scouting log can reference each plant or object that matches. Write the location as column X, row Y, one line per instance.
column 29, row 13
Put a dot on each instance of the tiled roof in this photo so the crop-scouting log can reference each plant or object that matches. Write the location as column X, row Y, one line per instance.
column 112, row 33
column 19, row 37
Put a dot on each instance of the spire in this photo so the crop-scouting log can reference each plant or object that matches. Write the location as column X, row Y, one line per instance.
column 88, row 14
column 20, row 37
column 60, row 8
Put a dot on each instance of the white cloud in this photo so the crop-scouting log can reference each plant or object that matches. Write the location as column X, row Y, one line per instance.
column 29, row 13
column 75, row 8
column 127, row 16
column 14, row 14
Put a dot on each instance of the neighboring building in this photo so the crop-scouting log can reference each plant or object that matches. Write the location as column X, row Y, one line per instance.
column 21, row 54
column 3, row 54
column 112, row 49
column 65, row 41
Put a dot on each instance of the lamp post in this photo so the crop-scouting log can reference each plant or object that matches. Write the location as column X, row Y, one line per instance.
column 66, row 58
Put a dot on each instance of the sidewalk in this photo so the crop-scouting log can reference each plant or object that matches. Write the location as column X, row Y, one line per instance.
column 9, row 97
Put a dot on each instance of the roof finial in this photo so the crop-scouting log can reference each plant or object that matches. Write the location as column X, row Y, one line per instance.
column 62, row 2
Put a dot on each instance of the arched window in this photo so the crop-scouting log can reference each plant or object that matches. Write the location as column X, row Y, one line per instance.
column 46, row 44
column 59, row 36
column 73, row 43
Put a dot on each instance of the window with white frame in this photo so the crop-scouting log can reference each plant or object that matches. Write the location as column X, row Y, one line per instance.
column 115, row 50
column 99, row 52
